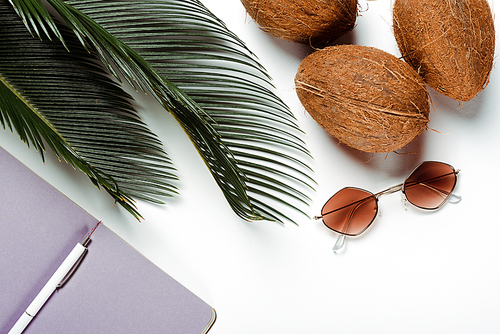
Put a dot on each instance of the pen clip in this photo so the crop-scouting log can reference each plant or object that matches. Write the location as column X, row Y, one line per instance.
column 84, row 244
column 72, row 270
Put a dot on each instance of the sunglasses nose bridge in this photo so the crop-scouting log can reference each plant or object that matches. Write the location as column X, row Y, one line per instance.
column 390, row 190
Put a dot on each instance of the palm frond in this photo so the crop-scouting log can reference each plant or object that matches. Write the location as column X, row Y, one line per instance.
column 226, row 102
column 196, row 123
column 191, row 47
column 35, row 16
column 68, row 100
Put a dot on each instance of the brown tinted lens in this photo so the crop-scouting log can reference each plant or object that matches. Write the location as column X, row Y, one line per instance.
column 350, row 211
column 430, row 184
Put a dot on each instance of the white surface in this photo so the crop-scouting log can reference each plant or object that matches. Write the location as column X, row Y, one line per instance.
column 413, row 272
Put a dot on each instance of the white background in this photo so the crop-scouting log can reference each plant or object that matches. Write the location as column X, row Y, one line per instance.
column 412, row 272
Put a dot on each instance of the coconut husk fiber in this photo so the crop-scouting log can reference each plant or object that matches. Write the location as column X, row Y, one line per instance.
column 365, row 97
column 315, row 22
column 451, row 43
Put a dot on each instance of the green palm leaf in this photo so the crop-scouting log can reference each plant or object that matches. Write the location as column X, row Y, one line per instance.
column 239, row 126
column 189, row 46
column 67, row 100
column 196, row 123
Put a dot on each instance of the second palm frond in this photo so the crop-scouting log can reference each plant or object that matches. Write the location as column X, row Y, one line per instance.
column 212, row 84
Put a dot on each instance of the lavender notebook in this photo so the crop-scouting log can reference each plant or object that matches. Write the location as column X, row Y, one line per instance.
column 115, row 289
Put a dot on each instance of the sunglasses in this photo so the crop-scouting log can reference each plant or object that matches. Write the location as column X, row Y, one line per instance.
column 352, row 210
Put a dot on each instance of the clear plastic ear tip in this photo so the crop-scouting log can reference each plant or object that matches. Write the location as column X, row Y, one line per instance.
column 339, row 244
column 454, row 199
column 404, row 200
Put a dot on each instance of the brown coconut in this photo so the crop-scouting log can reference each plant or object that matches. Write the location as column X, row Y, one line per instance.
column 363, row 96
column 451, row 43
column 305, row 21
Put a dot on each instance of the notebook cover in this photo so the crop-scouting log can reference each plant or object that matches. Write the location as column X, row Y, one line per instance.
column 115, row 289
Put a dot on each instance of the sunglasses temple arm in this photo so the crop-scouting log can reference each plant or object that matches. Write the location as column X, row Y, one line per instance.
column 340, row 240
column 339, row 244
column 452, row 198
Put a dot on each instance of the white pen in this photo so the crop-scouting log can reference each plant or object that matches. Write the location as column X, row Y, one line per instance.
column 58, row 279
